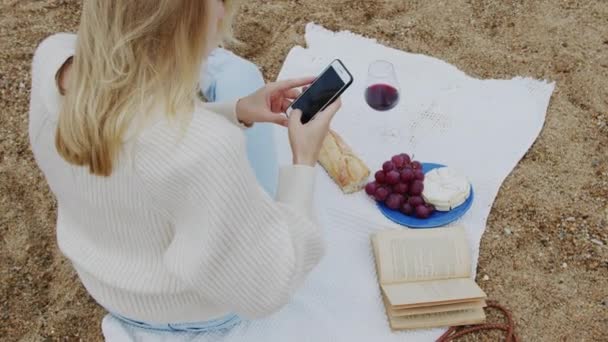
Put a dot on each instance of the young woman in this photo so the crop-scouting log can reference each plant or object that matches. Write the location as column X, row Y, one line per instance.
column 159, row 210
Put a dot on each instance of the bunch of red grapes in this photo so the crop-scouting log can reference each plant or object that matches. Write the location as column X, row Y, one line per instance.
column 399, row 185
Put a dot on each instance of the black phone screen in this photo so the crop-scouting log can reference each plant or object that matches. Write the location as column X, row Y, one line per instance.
column 319, row 95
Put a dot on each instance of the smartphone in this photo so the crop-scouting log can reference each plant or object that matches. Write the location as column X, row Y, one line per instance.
column 332, row 82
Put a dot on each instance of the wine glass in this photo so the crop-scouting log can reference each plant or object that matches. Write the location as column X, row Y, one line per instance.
column 382, row 94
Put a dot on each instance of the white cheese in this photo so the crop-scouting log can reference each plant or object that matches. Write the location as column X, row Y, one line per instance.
column 445, row 189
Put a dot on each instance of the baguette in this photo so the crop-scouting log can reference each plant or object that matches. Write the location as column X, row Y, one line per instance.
column 342, row 165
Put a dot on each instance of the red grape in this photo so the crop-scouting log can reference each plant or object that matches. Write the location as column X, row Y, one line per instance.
column 416, row 165
column 392, row 177
column 422, row 212
column 407, row 175
column 388, row 166
column 406, row 158
column 401, row 188
column 401, row 199
column 381, row 194
column 416, row 188
column 371, row 188
column 418, row 174
column 431, row 208
column 394, row 201
column 380, row 177
column 407, row 209
column 415, row 201
column 398, row 160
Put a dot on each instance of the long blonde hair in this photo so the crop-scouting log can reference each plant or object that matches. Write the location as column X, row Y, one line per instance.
column 131, row 55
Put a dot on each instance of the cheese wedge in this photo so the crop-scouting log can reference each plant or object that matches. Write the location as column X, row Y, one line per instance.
column 445, row 189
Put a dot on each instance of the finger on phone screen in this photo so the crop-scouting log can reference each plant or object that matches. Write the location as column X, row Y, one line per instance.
column 294, row 83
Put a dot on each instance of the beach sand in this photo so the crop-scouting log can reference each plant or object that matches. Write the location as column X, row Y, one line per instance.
column 545, row 251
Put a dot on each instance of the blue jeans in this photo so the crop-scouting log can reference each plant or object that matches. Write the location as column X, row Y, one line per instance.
column 223, row 323
column 228, row 77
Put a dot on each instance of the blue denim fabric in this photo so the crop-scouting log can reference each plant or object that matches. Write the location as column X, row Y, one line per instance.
column 223, row 323
column 228, row 77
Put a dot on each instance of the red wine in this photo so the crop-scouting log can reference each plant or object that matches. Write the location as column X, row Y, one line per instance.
column 381, row 96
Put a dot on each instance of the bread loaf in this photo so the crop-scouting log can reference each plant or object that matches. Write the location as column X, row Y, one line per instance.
column 342, row 165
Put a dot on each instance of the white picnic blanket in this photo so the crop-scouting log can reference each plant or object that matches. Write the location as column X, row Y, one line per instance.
column 481, row 127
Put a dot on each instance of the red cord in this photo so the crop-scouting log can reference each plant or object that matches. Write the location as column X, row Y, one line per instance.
column 454, row 332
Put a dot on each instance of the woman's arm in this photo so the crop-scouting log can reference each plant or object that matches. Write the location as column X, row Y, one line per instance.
column 232, row 243
column 227, row 110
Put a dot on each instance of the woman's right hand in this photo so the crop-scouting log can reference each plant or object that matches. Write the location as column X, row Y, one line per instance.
column 306, row 139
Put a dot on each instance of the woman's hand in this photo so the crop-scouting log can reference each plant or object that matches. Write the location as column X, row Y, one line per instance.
column 270, row 102
column 306, row 139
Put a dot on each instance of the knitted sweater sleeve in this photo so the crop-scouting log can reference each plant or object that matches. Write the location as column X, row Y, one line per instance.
column 227, row 110
column 230, row 241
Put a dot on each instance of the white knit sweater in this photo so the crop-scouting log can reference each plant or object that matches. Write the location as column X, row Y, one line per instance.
column 181, row 231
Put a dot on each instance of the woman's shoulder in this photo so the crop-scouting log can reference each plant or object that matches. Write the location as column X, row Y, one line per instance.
column 49, row 57
column 57, row 41
column 195, row 139
column 54, row 48
column 172, row 152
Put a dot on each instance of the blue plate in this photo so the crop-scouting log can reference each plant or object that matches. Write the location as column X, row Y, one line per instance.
column 437, row 219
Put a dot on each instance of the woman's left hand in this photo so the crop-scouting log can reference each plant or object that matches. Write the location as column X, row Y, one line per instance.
column 270, row 102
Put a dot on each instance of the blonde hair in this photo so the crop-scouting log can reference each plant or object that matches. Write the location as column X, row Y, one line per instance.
column 131, row 55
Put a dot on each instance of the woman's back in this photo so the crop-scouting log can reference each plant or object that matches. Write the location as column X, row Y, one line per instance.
column 180, row 231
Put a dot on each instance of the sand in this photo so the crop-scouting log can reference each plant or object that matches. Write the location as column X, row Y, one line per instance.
column 545, row 252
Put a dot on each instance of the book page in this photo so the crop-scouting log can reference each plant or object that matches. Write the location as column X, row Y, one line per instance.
column 476, row 304
column 444, row 319
column 430, row 293
column 409, row 255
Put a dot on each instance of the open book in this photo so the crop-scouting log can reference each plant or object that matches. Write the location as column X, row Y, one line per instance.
column 425, row 278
